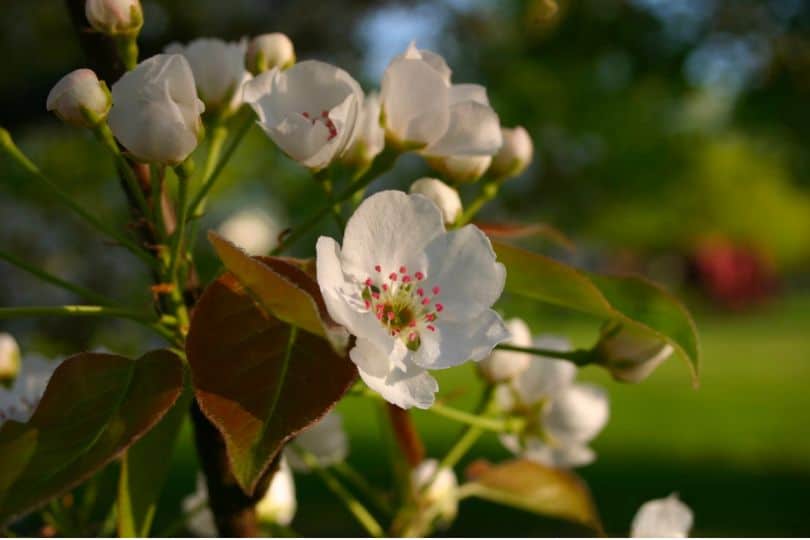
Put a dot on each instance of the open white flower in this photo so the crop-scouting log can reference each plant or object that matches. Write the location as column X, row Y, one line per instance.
column 662, row 518
column 326, row 440
column 423, row 110
column 369, row 139
column 445, row 197
column 415, row 296
column 515, row 155
column 20, row 401
column 253, row 230
column 631, row 355
column 78, row 94
column 278, row 505
column 505, row 365
column 442, row 495
column 268, row 51
column 309, row 110
column 563, row 416
column 9, row 356
column 219, row 71
column 155, row 112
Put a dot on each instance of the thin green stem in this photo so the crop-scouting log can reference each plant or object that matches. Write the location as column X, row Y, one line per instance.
column 104, row 134
column 360, row 512
column 324, row 179
column 579, row 357
column 13, row 151
column 383, row 163
column 489, row 191
column 178, row 239
column 491, row 424
column 86, row 311
column 469, row 436
column 78, row 290
column 351, row 475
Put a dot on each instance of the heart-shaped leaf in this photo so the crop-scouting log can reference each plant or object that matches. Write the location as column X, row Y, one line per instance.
column 283, row 289
column 257, row 392
column 535, row 488
column 95, row 406
column 632, row 300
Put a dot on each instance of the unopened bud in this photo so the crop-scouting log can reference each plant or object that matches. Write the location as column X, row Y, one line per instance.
column 631, row 355
column 114, row 17
column 80, row 99
column 9, row 357
column 268, row 51
column 461, row 169
column 445, row 197
column 515, row 154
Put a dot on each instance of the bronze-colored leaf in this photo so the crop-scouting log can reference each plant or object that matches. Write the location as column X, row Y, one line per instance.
column 510, row 231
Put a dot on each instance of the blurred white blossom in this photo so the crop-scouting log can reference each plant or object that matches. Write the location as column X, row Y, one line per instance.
column 19, row 402
column 79, row 99
column 253, row 230
column 445, row 197
column 155, row 113
column 326, row 440
column 269, row 51
column 662, row 518
column 9, row 356
column 416, row 296
column 441, row 495
column 502, row 365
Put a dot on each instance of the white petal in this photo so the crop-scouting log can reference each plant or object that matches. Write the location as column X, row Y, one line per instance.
column 412, row 388
column 390, row 229
column 218, row 67
column 505, row 365
column 445, row 197
column 434, row 60
column 667, row 517
column 460, row 93
column 473, row 130
column 454, row 343
column 545, row 377
column 462, row 263
column 577, row 414
column 278, row 504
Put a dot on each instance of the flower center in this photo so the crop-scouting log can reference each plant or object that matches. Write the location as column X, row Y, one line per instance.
column 325, row 120
column 403, row 303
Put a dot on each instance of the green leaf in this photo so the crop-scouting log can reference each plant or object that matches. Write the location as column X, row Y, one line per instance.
column 536, row 488
column 283, row 289
column 144, row 468
column 631, row 300
column 258, row 400
column 511, row 231
column 95, row 407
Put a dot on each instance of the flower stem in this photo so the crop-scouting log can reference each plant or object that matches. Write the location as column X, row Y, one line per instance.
column 360, row 512
column 86, row 311
column 103, row 134
column 178, row 240
column 489, row 191
column 351, row 475
column 382, row 164
column 580, row 357
column 468, row 437
column 78, row 290
column 14, row 152
column 491, row 424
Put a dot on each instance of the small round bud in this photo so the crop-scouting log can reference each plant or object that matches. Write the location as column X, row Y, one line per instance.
column 279, row 505
column 442, row 494
column 631, row 355
column 515, row 154
column 9, row 357
column 80, row 99
column 267, row 51
column 114, row 17
column 461, row 169
column 445, row 197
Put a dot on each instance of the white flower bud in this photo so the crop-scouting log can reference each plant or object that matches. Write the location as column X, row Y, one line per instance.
column 662, row 518
column 9, row 356
column 369, row 136
column 155, row 112
column 80, row 99
column 461, row 169
column 445, row 197
column 279, row 505
column 631, row 355
column 502, row 365
column 515, row 154
column 326, row 440
column 219, row 71
column 442, row 495
column 114, row 17
column 268, row 51
column 252, row 230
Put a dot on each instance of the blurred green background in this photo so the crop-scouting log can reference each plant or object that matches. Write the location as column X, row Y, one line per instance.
column 671, row 140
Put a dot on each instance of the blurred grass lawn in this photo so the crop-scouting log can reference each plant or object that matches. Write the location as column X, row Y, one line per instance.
column 737, row 450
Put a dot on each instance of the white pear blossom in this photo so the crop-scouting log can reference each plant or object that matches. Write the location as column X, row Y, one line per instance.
column 20, row 401
column 326, row 440
column 515, row 154
column 278, row 505
column 415, row 296
column 156, row 112
column 9, row 356
column 662, row 518
column 268, row 51
column 370, row 137
column 114, row 17
column 309, row 110
column 563, row 416
column 79, row 99
column 219, row 71
column 253, row 230
column 423, row 110
column 631, row 355
column 442, row 494
column 501, row 365
column 445, row 197
column 461, row 169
